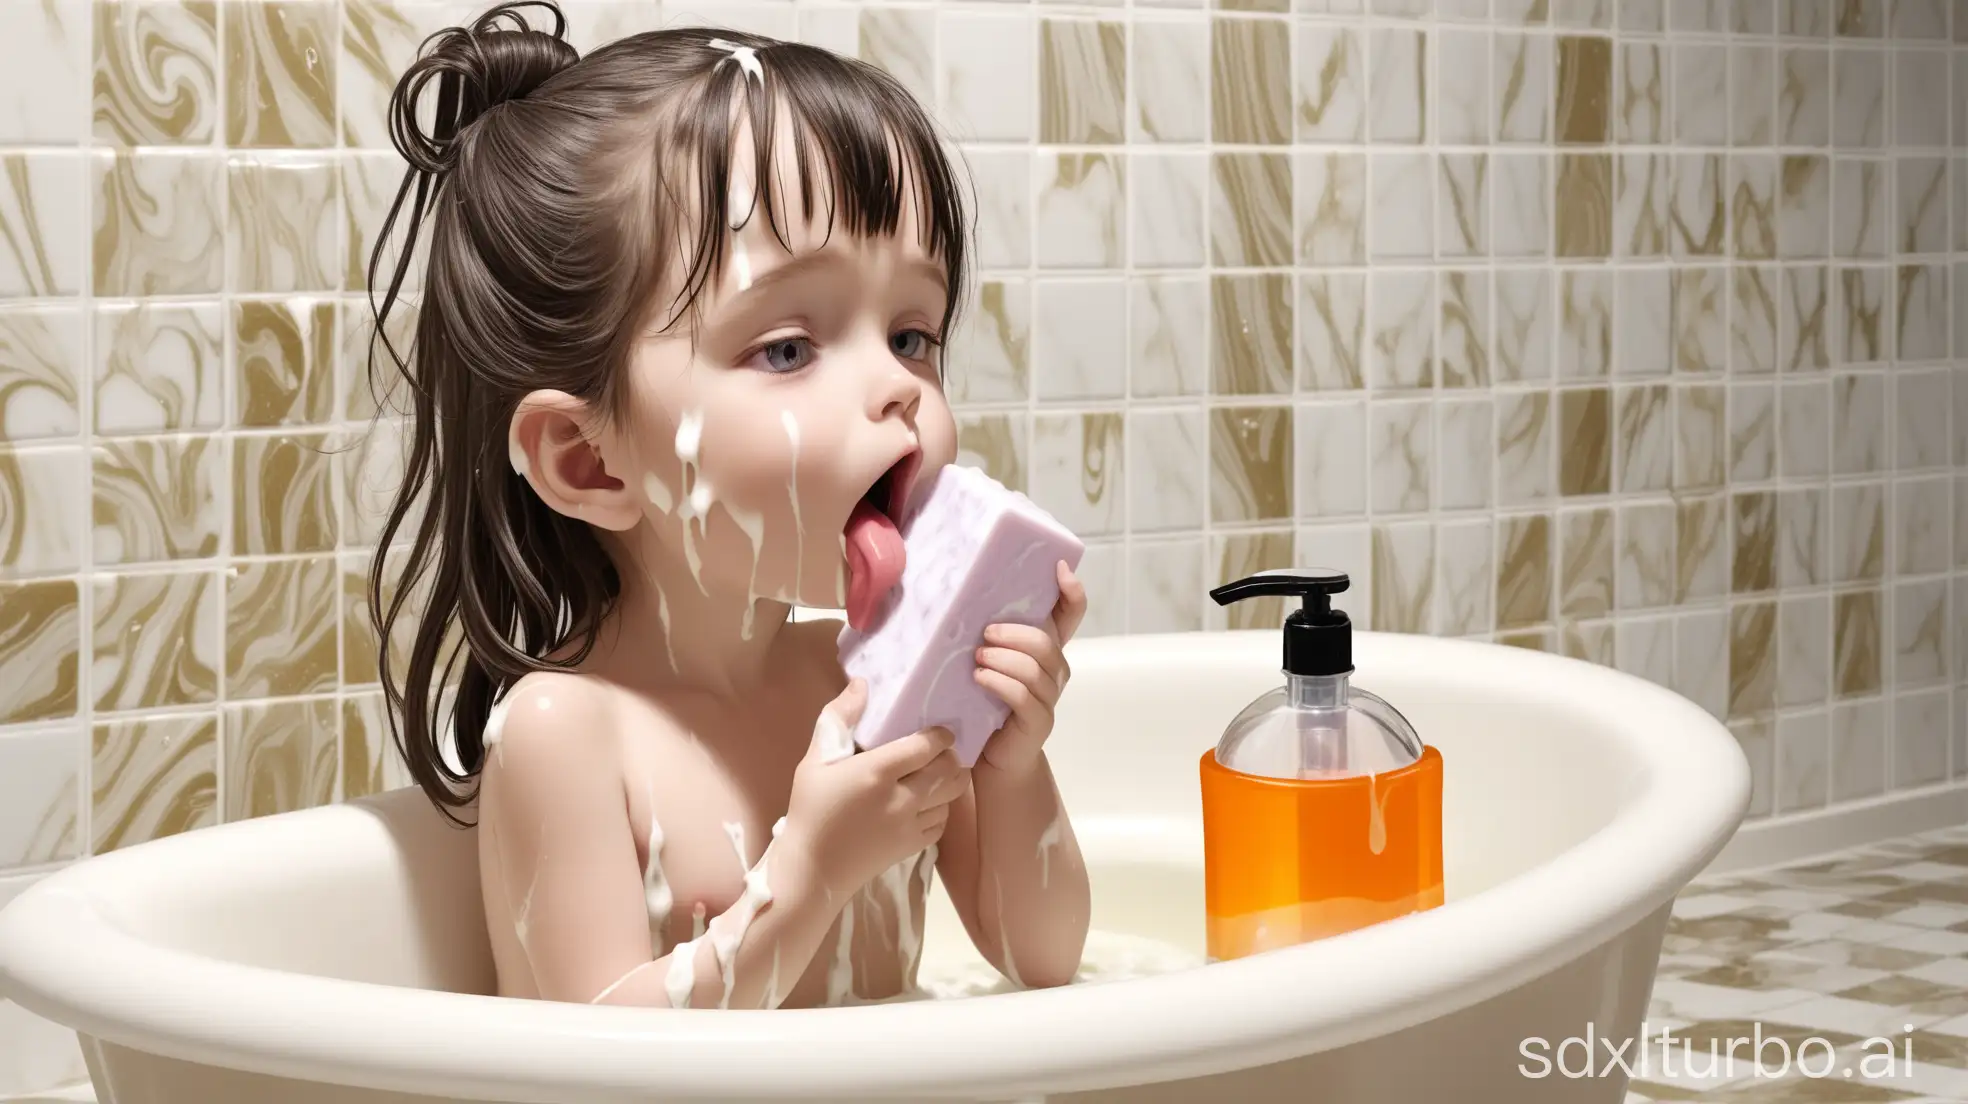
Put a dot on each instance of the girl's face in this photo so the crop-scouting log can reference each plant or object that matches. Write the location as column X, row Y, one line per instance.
column 809, row 383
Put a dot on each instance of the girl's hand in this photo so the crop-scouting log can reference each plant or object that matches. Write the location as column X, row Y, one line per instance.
column 1025, row 666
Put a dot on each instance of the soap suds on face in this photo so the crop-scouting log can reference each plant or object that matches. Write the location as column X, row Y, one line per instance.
column 1048, row 840
column 836, row 742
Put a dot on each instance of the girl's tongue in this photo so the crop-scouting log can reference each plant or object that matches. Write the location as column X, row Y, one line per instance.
column 874, row 562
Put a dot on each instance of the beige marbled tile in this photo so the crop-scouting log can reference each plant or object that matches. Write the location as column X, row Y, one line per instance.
column 1804, row 338
column 41, row 210
column 1585, row 441
column 1398, row 92
column 1583, row 215
column 280, row 628
column 1858, row 98
column 1752, row 659
column 1237, row 555
column 1250, row 81
column 158, row 223
column 1081, row 213
column 1645, row 432
column 1525, row 589
column 40, row 372
column 1920, row 633
column 156, row 67
column 1640, row 205
column 1403, row 598
column 1401, row 351
column 1330, row 325
column 1804, row 206
column 1251, row 323
column 1402, row 450
column 1251, row 464
column 1858, row 526
column 1168, row 318
column 40, row 642
column 1251, row 210
column 1525, row 440
column 995, row 443
column 1639, row 107
column 157, row 499
column 280, row 756
column 1586, row 570
column 280, row 228
column 1753, row 205
column 1752, row 432
column 1804, row 97
column 1330, row 195
column 1523, row 326
column 1864, row 315
column 155, row 640
column 1521, row 65
column 1462, row 206
column 1463, row 352
column 1856, row 644
column 1754, row 294
column 283, row 364
column 1646, row 555
column 1804, row 650
column 1172, row 61
column 152, row 778
column 1700, row 314
column 1701, row 437
column 1920, row 312
column 1804, row 541
column 158, row 367
column 1921, row 205
column 280, row 73
column 1701, row 547
column 1082, row 80
column 994, row 345
column 282, row 494
column 1332, row 81
column 41, row 510
column 1077, row 470
column 1754, row 520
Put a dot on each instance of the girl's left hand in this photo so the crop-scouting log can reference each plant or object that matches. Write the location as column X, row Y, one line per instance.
column 1025, row 665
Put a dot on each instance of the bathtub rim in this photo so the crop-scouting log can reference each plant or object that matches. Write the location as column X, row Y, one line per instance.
column 63, row 956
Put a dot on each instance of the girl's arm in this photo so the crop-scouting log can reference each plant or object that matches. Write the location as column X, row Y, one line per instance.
column 1009, row 857
column 555, row 825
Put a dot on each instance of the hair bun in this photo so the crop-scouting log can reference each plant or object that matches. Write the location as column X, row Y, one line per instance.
column 499, row 58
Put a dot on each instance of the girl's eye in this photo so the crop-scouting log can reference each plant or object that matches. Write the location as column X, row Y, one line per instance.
column 911, row 344
column 786, row 355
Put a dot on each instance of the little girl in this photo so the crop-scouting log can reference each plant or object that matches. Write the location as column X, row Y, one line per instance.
column 677, row 366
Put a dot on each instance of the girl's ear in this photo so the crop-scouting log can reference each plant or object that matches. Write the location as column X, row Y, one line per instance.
column 548, row 446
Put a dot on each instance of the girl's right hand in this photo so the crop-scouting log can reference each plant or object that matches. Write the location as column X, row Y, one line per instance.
column 862, row 814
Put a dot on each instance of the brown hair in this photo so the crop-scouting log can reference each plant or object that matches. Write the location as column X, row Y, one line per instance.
column 557, row 189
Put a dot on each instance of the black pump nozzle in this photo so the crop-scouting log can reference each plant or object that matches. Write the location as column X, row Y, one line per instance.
column 1318, row 638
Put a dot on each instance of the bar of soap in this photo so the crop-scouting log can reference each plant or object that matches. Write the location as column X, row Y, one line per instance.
column 979, row 554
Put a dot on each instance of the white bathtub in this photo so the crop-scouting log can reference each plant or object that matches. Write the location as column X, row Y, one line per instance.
column 338, row 954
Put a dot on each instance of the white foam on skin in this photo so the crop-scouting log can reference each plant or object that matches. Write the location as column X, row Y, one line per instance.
column 696, row 504
column 836, row 742
column 1048, row 840
column 656, row 891
column 792, row 428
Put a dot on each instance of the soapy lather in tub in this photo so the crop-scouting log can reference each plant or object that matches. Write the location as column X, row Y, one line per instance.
column 677, row 367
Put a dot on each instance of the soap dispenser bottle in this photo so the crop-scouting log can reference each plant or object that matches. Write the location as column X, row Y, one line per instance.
column 1322, row 808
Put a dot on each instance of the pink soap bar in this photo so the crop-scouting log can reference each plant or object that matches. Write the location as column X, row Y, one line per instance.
column 978, row 554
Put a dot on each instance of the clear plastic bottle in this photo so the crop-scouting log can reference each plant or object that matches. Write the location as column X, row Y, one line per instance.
column 1322, row 807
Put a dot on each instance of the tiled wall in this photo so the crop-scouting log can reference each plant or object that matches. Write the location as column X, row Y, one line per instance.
column 1620, row 329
